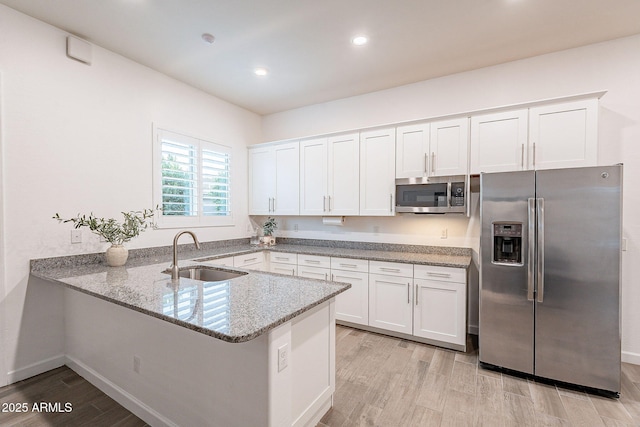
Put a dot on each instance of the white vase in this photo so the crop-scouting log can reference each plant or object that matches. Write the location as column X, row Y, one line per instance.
column 116, row 255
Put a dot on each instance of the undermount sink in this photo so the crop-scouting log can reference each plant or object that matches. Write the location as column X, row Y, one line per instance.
column 206, row 274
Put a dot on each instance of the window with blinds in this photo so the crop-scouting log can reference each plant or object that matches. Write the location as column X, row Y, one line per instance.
column 193, row 180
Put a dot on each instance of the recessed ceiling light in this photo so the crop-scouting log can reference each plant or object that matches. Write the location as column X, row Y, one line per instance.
column 359, row 40
column 208, row 38
column 260, row 71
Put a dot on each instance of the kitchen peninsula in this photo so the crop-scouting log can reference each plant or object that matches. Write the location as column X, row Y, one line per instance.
column 145, row 342
column 148, row 343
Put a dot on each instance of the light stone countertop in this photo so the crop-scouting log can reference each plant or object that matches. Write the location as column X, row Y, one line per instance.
column 235, row 310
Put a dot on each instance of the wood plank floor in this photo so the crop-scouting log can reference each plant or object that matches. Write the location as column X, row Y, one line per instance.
column 389, row 382
column 89, row 406
column 380, row 381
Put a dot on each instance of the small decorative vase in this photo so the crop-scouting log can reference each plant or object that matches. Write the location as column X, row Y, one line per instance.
column 116, row 255
column 268, row 240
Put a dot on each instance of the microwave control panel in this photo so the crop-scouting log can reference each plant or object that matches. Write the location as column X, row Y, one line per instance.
column 457, row 194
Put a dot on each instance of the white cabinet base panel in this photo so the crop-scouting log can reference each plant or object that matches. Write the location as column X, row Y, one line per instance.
column 409, row 337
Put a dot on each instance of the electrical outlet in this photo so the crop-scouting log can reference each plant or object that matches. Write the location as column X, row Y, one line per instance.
column 443, row 233
column 283, row 357
column 136, row 364
column 76, row 236
column 295, row 227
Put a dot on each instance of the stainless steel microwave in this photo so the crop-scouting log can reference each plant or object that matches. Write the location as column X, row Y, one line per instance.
column 431, row 195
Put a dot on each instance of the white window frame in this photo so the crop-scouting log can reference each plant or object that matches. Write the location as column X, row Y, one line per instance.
column 199, row 220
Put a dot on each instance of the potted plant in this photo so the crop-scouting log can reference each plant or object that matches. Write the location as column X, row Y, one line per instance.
column 114, row 232
column 268, row 228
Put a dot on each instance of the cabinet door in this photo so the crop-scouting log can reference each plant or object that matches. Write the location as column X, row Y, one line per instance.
column 287, row 269
column 449, row 146
column 412, row 151
column 314, row 272
column 313, row 177
column 261, row 180
column 499, row 141
column 343, row 175
column 287, row 178
column 390, row 303
column 564, row 135
column 353, row 304
column 377, row 172
column 440, row 311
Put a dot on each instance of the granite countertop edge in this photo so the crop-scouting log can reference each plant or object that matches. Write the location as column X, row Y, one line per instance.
column 57, row 269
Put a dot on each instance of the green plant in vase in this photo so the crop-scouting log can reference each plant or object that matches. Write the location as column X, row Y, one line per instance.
column 268, row 228
column 113, row 231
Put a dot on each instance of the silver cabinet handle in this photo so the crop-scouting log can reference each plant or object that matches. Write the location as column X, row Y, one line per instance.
column 417, row 294
column 540, row 263
column 249, row 260
column 408, row 293
column 324, row 203
column 534, row 154
column 426, row 164
column 391, row 202
column 329, row 204
column 394, row 270
column 325, row 276
column 433, row 163
column 274, row 204
column 430, row 273
column 333, row 277
column 531, row 252
column 348, row 265
column 522, row 156
column 312, row 261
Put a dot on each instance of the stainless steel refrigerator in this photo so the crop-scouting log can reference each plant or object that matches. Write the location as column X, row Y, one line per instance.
column 550, row 274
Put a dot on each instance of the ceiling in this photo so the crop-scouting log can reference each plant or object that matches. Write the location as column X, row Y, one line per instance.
column 305, row 44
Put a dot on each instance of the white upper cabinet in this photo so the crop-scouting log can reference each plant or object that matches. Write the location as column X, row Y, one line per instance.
column 563, row 135
column 274, row 179
column 432, row 149
column 377, row 172
column 449, row 147
column 343, row 175
column 499, row 142
column 558, row 135
column 329, row 180
column 313, row 176
column 412, row 151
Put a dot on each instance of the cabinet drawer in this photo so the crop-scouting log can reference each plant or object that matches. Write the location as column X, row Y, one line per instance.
column 288, row 269
column 283, row 257
column 391, row 268
column 349, row 264
column 223, row 262
column 313, row 272
column 248, row 259
column 314, row 261
column 441, row 274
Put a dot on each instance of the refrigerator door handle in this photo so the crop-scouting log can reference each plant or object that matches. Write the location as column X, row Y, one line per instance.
column 540, row 247
column 531, row 253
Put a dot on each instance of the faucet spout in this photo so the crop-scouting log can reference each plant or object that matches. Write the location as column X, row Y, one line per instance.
column 174, row 266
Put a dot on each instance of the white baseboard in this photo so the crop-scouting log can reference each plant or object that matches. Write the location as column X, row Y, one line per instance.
column 633, row 358
column 35, row 369
column 127, row 400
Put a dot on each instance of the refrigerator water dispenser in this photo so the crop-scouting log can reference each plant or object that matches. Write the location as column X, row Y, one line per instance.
column 507, row 243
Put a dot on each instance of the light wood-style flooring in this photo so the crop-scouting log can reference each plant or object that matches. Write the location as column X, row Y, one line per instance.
column 384, row 381
column 380, row 381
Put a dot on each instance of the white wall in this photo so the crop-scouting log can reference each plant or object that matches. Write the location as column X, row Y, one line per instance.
column 78, row 138
column 613, row 66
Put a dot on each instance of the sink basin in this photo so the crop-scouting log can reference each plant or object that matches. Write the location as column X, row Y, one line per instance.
column 207, row 274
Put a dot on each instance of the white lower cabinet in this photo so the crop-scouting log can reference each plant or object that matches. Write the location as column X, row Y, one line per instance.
column 440, row 304
column 391, row 302
column 314, row 272
column 353, row 304
column 253, row 261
